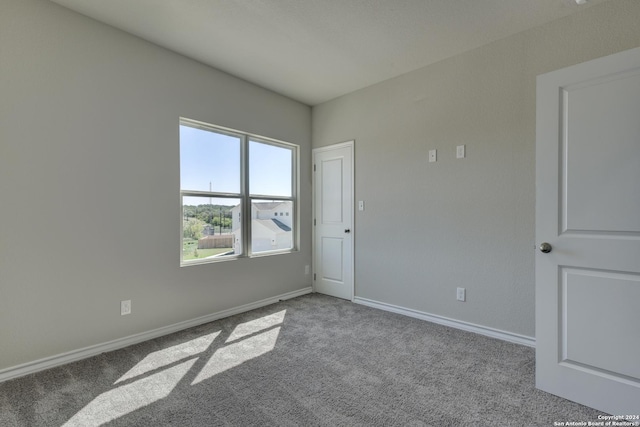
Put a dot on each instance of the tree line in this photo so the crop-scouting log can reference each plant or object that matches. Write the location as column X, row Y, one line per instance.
column 196, row 218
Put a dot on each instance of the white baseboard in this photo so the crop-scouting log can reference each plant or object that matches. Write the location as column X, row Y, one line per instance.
column 458, row 324
column 94, row 350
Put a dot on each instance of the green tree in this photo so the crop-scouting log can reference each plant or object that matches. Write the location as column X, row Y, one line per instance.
column 192, row 228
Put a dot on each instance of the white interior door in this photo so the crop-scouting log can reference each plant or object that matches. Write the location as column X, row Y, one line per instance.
column 588, row 211
column 333, row 220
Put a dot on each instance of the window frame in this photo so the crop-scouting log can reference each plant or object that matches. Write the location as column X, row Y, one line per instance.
column 246, row 198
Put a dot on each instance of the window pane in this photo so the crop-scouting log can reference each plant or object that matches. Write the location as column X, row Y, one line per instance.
column 209, row 161
column 270, row 169
column 211, row 227
column 271, row 225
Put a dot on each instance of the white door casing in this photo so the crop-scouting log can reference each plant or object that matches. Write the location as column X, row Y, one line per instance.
column 333, row 220
column 588, row 210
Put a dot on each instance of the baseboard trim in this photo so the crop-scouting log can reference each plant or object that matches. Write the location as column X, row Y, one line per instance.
column 458, row 324
column 94, row 350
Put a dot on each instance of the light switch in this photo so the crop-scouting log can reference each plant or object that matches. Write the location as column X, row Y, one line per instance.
column 361, row 205
column 433, row 156
column 460, row 152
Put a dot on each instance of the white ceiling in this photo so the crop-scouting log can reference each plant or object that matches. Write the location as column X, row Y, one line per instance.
column 317, row 50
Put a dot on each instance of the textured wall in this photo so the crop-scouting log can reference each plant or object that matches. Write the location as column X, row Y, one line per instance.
column 89, row 152
column 430, row 227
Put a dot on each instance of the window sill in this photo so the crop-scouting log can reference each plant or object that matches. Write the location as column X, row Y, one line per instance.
column 215, row 260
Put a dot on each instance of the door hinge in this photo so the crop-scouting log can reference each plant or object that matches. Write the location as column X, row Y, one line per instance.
column 314, row 276
column 314, row 167
column 314, row 221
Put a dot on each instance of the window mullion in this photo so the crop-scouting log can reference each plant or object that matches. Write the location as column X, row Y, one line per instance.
column 295, row 172
column 188, row 193
column 246, row 200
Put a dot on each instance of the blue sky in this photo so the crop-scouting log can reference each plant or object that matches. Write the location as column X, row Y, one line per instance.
column 208, row 158
column 212, row 159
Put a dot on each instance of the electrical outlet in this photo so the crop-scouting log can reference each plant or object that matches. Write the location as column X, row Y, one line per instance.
column 460, row 152
column 461, row 294
column 125, row 307
column 307, row 269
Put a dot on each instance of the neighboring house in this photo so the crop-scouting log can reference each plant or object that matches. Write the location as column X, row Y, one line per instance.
column 271, row 225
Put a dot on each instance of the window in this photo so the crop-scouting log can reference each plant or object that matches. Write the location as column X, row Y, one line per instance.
column 232, row 187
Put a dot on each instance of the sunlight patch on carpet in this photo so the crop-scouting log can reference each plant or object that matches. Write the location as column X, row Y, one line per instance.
column 130, row 397
column 253, row 326
column 169, row 356
column 142, row 386
column 237, row 353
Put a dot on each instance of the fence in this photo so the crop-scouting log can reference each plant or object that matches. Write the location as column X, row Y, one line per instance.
column 219, row 241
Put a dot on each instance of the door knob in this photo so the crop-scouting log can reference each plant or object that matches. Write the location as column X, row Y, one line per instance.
column 545, row 248
column 347, row 231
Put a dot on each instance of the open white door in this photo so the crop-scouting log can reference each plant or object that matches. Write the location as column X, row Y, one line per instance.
column 588, row 216
column 333, row 220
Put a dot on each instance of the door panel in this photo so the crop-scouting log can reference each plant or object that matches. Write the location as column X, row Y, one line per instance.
column 332, row 259
column 587, row 322
column 588, row 209
column 333, row 219
column 331, row 191
column 601, row 123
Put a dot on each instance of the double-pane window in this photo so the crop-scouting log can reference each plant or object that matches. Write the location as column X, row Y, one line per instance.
column 238, row 194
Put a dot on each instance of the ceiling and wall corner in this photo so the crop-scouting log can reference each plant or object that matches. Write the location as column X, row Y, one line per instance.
column 314, row 51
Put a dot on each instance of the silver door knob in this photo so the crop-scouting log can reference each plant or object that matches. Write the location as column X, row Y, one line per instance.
column 545, row 248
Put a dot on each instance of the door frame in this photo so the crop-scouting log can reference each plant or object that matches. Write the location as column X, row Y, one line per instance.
column 351, row 145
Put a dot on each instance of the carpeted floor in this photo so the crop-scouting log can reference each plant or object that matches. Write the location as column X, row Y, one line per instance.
column 308, row 361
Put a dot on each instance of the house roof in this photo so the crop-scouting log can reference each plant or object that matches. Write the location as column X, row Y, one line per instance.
column 266, row 206
column 280, row 224
column 272, row 225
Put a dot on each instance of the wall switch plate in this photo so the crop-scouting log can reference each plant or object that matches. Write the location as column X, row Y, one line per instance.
column 433, row 156
column 461, row 294
column 361, row 205
column 460, row 152
column 125, row 307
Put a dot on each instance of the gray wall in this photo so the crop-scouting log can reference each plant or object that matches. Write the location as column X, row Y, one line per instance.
column 89, row 184
column 430, row 227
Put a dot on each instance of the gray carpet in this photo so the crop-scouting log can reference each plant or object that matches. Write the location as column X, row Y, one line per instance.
column 308, row 361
